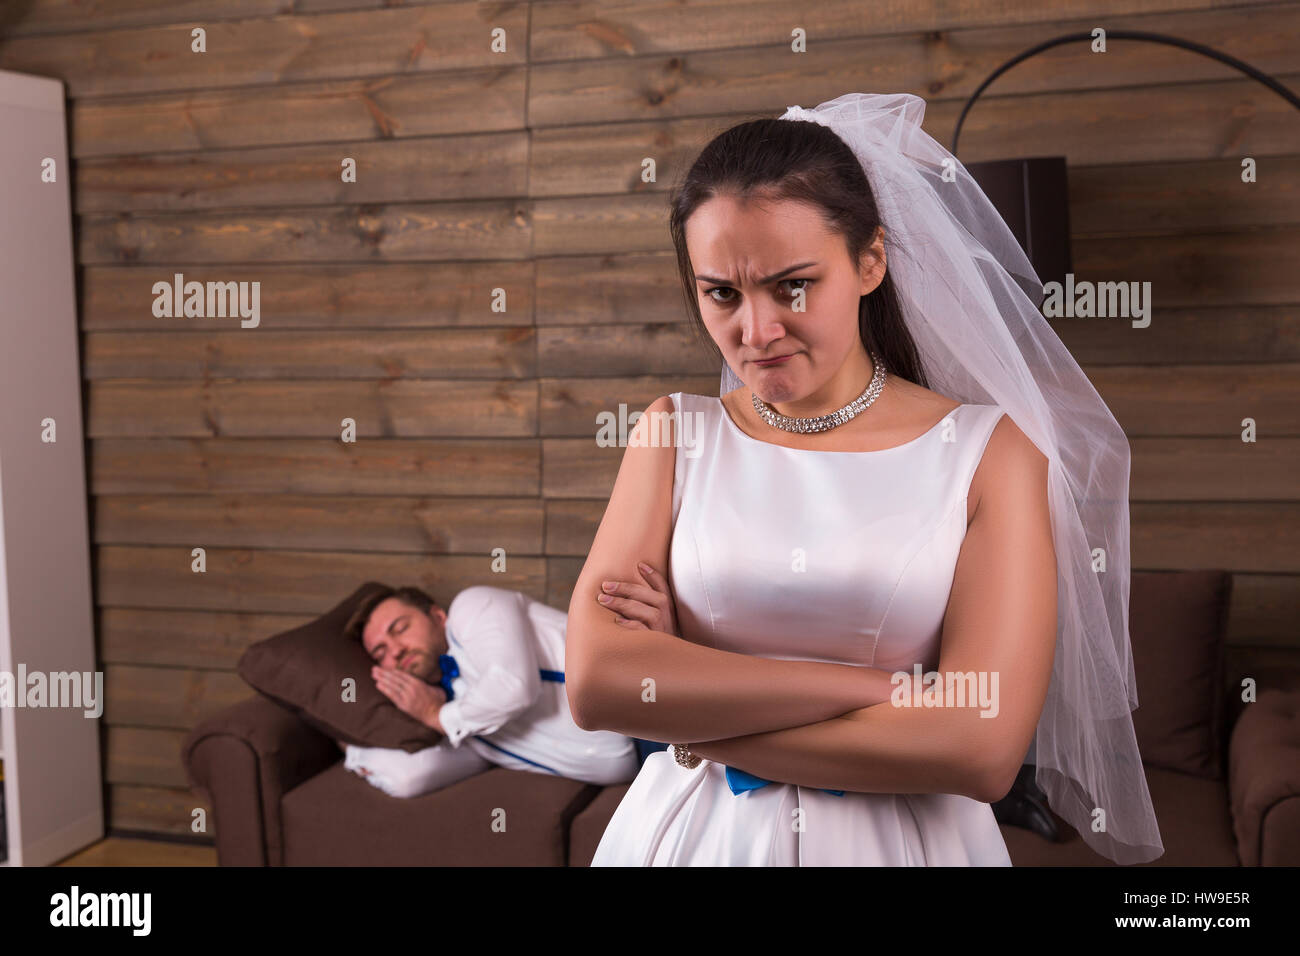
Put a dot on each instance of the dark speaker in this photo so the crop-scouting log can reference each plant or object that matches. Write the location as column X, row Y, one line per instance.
column 1033, row 197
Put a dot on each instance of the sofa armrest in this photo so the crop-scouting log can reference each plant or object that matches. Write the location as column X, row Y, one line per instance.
column 1264, row 779
column 244, row 759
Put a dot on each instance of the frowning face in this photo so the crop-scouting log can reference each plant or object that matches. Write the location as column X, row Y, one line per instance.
column 757, row 264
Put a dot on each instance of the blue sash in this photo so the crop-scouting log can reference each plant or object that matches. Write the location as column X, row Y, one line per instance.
column 739, row 781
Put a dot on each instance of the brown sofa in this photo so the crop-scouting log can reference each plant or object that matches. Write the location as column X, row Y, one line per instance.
column 1224, row 775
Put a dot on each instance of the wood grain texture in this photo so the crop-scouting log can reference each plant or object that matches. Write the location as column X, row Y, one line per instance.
column 268, row 355
column 280, row 580
column 166, row 698
column 455, row 230
column 326, row 296
column 473, row 166
column 276, row 49
column 381, row 409
column 375, row 466
column 385, row 107
column 324, row 522
column 126, row 848
column 598, row 29
column 75, row 16
column 144, row 756
column 641, row 83
column 170, row 637
column 166, row 810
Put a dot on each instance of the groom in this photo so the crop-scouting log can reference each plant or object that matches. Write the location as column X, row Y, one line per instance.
column 488, row 673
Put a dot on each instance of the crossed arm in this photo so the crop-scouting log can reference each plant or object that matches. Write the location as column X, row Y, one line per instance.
column 833, row 725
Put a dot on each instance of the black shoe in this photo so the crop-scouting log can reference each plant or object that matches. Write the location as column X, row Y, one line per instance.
column 1025, row 805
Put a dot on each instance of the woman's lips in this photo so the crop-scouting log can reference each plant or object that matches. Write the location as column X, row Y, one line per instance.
column 768, row 363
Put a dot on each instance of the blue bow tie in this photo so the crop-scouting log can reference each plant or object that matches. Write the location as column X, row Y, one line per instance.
column 447, row 664
column 739, row 781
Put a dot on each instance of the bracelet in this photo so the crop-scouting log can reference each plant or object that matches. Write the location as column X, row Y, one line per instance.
column 684, row 757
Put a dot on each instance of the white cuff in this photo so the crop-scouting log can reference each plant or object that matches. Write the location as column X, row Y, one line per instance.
column 453, row 724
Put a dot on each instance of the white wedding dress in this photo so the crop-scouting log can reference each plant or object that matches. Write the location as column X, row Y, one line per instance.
column 879, row 533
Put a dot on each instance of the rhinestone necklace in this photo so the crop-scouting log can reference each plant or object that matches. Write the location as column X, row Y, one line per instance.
column 821, row 423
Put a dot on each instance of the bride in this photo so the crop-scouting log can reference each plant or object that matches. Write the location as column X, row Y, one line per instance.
column 842, row 526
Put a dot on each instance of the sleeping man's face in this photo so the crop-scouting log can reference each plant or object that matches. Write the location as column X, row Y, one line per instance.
column 400, row 637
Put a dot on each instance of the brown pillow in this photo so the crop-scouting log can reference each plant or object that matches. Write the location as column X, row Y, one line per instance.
column 1177, row 622
column 304, row 668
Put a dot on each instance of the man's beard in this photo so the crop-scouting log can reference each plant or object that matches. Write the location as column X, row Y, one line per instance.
column 420, row 664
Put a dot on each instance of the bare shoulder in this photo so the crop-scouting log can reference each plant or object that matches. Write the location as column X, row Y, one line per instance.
column 1011, row 470
column 1013, row 447
column 656, row 426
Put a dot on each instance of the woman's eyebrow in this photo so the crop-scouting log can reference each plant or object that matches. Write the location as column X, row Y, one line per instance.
column 763, row 281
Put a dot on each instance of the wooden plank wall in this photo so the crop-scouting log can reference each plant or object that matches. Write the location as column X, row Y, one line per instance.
column 519, row 170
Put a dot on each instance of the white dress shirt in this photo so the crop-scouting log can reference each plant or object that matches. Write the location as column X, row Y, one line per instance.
column 502, row 706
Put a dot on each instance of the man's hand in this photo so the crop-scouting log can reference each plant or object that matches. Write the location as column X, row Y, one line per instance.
column 646, row 606
column 411, row 695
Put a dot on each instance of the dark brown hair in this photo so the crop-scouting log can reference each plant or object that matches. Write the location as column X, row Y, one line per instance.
column 410, row 596
column 806, row 162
